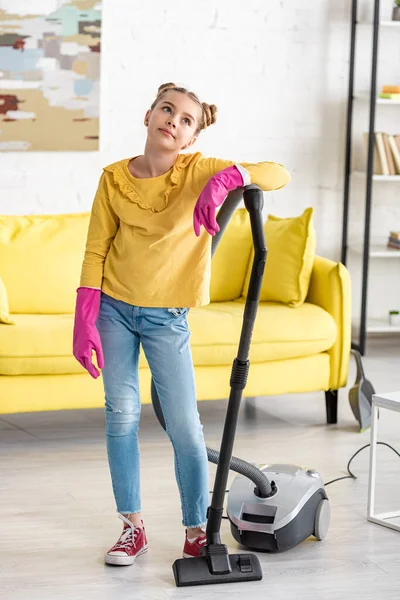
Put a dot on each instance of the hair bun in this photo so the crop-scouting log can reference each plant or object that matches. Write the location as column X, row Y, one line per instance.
column 164, row 87
column 210, row 114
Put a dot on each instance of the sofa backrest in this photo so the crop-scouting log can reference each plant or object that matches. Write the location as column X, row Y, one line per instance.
column 40, row 261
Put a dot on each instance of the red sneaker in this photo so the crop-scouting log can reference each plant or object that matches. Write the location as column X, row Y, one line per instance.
column 131, row 544
column 193, row 549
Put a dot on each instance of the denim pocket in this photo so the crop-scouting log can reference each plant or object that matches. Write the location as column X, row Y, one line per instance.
column 113, row 312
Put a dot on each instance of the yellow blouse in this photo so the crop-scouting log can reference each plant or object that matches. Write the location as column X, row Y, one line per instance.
column 141, row 247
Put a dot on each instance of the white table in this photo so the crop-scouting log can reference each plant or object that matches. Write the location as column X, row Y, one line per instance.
column 389, row 401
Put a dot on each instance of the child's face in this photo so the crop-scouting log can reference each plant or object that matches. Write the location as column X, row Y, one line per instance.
column 173, row 122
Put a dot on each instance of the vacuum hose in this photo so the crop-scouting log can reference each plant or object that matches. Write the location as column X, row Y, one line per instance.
column 263, row 486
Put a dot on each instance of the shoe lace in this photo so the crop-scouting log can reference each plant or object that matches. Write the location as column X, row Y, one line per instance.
column 127, row 538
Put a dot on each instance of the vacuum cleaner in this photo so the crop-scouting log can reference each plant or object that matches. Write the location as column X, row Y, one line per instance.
column 272, row 508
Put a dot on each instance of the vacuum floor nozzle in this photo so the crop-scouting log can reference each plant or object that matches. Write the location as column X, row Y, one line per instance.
column 211, row 568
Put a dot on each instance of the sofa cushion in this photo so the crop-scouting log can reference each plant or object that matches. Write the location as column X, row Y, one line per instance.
column 42, row 344
column 291, row 254
column 41, row 260
column 280, row 332
column 229, row 263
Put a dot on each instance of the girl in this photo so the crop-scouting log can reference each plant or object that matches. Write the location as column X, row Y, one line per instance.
column 147, row 261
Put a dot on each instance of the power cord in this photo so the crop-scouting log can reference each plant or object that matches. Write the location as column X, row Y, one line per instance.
column 351, row 475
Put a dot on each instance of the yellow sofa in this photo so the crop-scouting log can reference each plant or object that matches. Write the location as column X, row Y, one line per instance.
column 301, row 349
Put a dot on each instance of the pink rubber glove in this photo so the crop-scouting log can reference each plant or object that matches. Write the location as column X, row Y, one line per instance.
column 212, row 196
column 86, row 335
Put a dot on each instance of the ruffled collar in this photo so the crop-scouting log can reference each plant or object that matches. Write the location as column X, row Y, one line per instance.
column 126, row 182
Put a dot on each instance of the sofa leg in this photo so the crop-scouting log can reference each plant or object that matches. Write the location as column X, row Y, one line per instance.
column 331, row 401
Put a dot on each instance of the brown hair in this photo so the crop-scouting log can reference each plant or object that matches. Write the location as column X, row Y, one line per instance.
column 208, row 111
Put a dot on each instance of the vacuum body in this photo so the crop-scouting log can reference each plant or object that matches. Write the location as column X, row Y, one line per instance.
column 298, row 509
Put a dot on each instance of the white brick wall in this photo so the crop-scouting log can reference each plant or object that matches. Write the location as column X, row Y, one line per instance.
column 277, row 70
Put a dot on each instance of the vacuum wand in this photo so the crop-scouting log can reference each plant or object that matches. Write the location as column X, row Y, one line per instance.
column 215, row 565
column 253, row 200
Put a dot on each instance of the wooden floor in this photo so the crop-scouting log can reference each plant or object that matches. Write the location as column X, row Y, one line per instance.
column 57, row 514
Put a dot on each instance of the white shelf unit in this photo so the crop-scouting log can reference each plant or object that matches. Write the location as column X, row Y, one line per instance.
column 374, row 325
column 368, row 251
column 389, row 178
column 385, row 101
column 377, row 327
column 381, row 326
column 377, row 251
column 389, row 23
column 381, row 24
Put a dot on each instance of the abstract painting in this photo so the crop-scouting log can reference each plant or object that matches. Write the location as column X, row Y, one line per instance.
column 49, row 75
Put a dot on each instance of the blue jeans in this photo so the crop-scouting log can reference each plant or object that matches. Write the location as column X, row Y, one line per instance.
column 165, row 337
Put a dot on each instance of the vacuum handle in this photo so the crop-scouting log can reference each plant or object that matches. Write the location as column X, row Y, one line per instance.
column 254, row 202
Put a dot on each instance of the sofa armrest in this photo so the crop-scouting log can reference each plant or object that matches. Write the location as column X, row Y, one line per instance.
column 330, row 288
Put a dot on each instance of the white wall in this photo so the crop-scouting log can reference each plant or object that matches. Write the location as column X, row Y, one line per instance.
column 277, row 70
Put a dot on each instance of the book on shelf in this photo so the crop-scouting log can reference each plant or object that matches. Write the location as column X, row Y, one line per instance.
column 389, row 96
column 394, row 240
column 391, row 89
column 395, row 150
column 382, row 153
column 377, row 166
column 388, row 153
column 386, row 159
